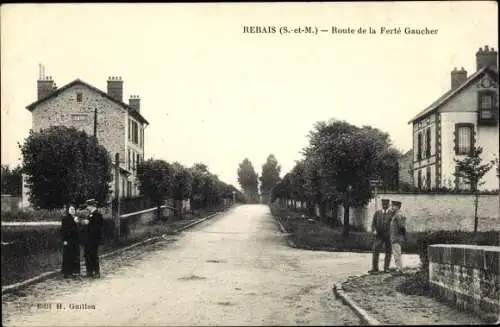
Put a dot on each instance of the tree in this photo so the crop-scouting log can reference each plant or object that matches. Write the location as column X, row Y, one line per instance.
column 495, row 163
column 248, row 179
column 342, row 159
column 12, row 180
column 65, row 165
column 154, row 181
column 298, row 181
column 471, row 170
column 199, row 173
column 270, row 176
column 181, row 185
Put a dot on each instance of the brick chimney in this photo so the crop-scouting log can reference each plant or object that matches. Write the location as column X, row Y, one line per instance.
column 115, row 87
column 458, row 77
column 135, row 102
column 45, row 86
column 486, row 57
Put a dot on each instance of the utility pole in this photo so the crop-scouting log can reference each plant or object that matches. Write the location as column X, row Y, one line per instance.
column 116, row 210
column 95, row 123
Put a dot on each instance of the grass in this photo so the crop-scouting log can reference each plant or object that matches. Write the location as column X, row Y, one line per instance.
column 312, row 234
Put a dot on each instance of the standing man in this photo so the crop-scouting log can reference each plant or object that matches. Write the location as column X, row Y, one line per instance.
column 380, row 229
column 94, row 228
column 398, row 234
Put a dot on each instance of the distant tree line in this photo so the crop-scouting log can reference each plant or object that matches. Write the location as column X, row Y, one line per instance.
column 12, row 180
column 65, row 165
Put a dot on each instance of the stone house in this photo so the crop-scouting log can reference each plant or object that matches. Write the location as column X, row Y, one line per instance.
column 464, row 116
column 405, row 168
column 119, row 126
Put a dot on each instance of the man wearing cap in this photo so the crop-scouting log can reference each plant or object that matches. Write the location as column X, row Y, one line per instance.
column 93, row 237
column 380, row 229
column 398, row 234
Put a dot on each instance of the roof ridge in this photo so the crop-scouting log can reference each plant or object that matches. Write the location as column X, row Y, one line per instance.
column 451, row 92
column 130, row 110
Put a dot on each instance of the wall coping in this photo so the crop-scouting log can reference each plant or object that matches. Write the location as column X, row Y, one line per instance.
column 468, row 246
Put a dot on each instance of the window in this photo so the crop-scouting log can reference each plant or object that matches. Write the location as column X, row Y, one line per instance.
column 142, row 137
column 428, row 178
column 419, row 179
column 138, row 159
column 419, row 146
column 79, row 117
column 464, row 138
column 133, row 160
column 129, row 189
column 79, row 97
column 135, row 133
column 428, row 143
column 129, row 159
column 130, row 130
column 486, row 105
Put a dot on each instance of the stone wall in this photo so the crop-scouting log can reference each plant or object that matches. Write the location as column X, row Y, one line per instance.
column 467, row 276
column 430, row 212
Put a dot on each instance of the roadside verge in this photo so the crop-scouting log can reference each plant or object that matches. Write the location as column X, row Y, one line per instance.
column 16, row 286
column 363, row 315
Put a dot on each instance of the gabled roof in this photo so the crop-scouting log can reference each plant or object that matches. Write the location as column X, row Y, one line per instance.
column 134, row 113
column 452, row 93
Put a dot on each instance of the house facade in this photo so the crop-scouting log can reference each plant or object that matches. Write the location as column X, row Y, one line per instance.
column 119, row 127
column 463, row 117
column 405, row 172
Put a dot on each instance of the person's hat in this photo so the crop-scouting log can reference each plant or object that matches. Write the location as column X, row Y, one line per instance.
column 386, row 201
column 91, row 202
column 398, row 203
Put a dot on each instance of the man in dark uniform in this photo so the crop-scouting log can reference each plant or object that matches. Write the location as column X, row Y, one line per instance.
column 93, row 229
column 381, row 231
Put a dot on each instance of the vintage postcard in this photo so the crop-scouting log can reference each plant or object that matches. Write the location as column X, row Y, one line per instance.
column 250, row 164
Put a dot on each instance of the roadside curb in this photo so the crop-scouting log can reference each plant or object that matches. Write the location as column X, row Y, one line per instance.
column 16, row 286
column 290, row 242
column 347, row 300
column 283, row 230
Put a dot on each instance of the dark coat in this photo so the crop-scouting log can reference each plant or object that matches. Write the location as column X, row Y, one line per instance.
column 69, row 230
column 381, row 223
column 71, row 251
column 94, row 231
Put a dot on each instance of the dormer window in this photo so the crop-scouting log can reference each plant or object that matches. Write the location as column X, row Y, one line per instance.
column 486, row 107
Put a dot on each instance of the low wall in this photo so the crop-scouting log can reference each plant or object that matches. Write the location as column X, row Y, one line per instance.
column 467, row 276
column 428, row 212
column 10, row 203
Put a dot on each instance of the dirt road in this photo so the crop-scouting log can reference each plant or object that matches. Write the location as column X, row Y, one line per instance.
column 234, row 270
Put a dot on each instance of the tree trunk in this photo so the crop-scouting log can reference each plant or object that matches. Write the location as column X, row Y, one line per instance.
column 322, row 211
column 158, row 211
column 179, row 208
column 345, row 231
column 311, row 207
column 476, row 218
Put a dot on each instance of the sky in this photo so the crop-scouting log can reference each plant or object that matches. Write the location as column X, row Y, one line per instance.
column 217, row 95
